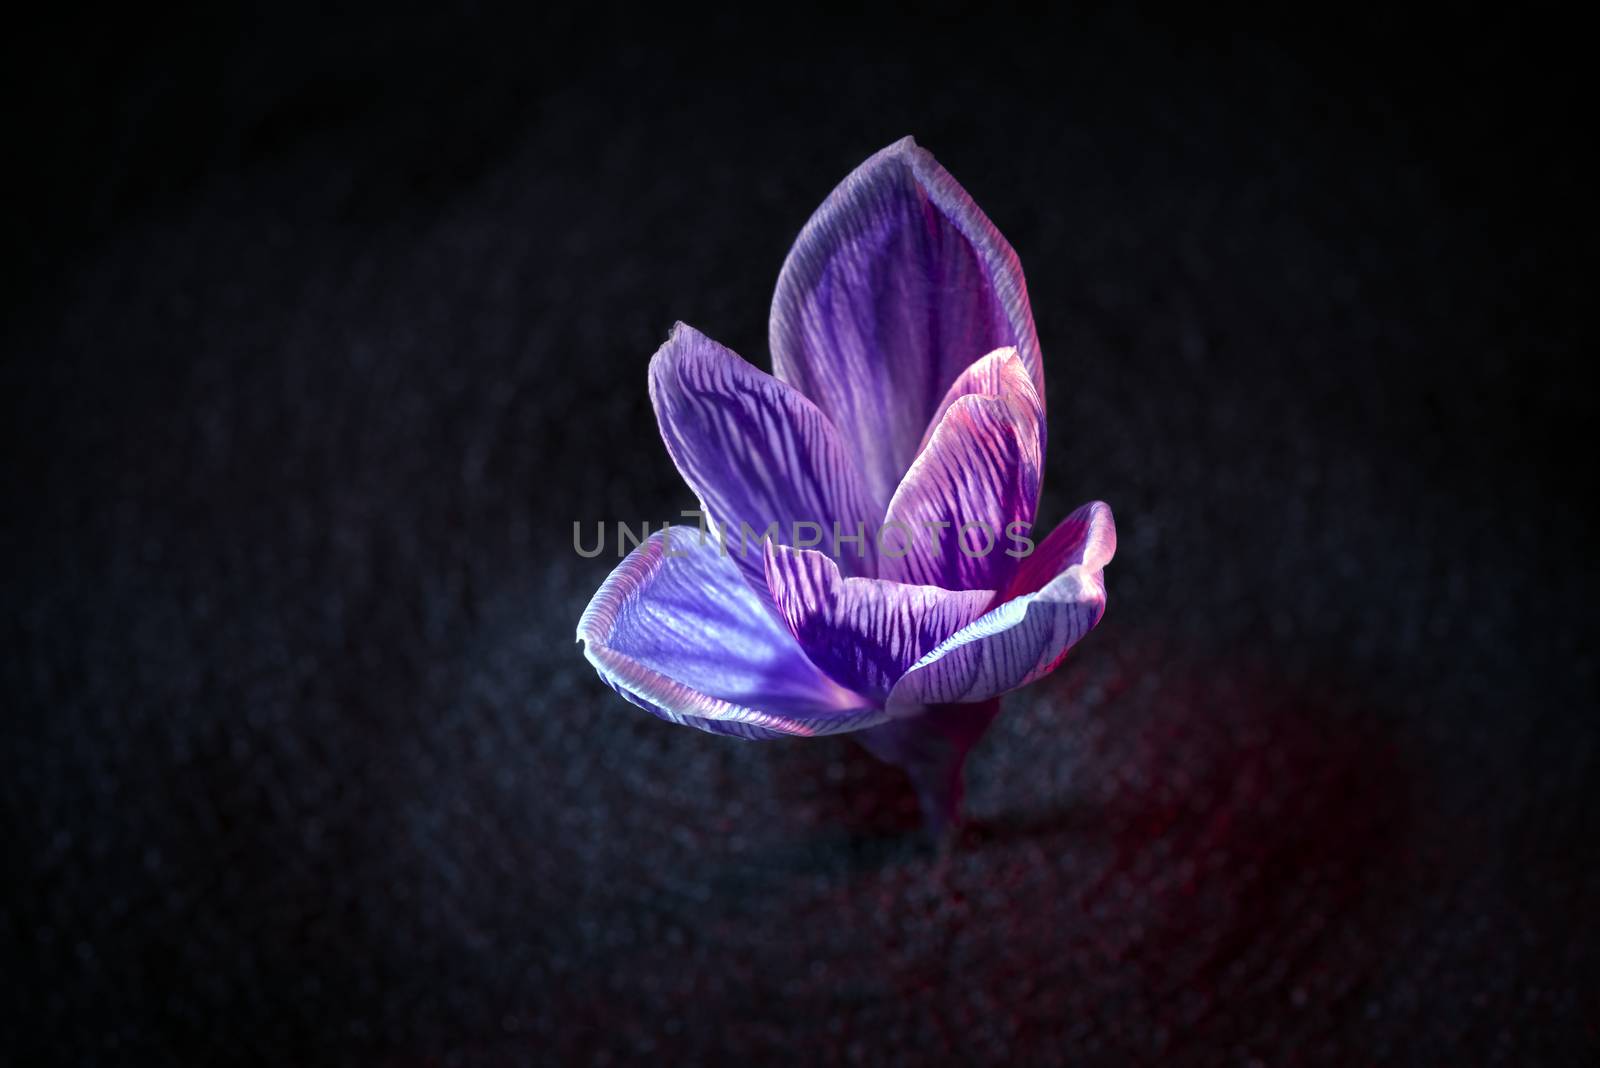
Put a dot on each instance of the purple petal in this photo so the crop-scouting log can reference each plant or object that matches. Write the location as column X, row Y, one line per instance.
column 864, row 633
column 1000, row 373
column 681, row 634
column 756, row 452
column 1025, row 638
column 895, row 286
column 977, row 475
column 1088, row 536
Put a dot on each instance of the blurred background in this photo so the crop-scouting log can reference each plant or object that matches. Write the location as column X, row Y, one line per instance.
column 321, row 331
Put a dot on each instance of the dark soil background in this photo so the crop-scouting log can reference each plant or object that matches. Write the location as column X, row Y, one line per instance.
column 320, row 333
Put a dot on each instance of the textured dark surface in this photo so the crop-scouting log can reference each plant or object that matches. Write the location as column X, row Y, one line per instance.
column 319, row 337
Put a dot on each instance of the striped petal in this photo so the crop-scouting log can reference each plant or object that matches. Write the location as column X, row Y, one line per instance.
column 864, row 633
column 1001, row 373
column 977, row 475
column 893, row 288
column 677, row 631
column 1059, row 595
column 756, row 453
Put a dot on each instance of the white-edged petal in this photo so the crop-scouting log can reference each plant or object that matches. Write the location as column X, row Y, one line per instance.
column 676, row 630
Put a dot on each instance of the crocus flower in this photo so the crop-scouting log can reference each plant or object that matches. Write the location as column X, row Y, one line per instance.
column 906, row 408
